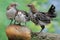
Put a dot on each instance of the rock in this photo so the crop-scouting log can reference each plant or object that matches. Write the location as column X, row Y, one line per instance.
column 16, row 32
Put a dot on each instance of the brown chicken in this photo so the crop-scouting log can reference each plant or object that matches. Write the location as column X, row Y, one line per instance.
column 16, row 32
column 41, row 18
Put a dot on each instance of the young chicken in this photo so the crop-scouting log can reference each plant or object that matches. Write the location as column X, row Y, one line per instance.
column 21, row 17
column 41, row 18
column 11, row 11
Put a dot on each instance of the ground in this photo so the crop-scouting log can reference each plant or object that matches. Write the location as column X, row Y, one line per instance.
column 47, row 36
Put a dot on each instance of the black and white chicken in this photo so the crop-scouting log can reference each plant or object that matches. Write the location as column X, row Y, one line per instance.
column 41, row 18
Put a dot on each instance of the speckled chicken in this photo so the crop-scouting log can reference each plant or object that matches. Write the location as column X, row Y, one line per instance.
column 41, row 18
